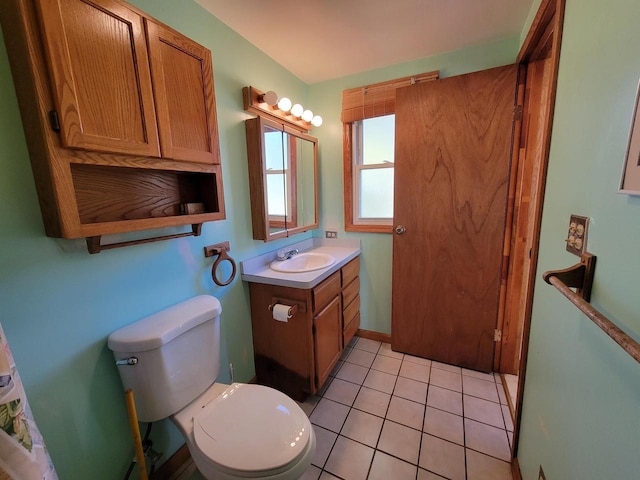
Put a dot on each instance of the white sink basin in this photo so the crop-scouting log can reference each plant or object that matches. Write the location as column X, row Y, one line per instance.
column 303, row 262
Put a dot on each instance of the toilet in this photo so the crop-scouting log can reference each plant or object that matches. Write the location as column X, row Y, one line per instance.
column 171, row 360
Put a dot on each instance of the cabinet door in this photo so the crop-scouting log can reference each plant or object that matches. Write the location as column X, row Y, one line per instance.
column 327, row 339
column 185, row 101
column 97, row 57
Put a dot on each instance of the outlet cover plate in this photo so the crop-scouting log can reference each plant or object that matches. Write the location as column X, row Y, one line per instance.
column 577, row 235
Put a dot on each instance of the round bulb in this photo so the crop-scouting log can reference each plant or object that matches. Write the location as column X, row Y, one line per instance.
column 316, row 121
column 270, row 98
column 307, row 115
column 284, row 104
column 297, row 110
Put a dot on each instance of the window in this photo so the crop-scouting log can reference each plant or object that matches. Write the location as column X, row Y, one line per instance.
column 368, row 117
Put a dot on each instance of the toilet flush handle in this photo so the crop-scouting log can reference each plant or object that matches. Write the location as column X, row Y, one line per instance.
column 127, row 361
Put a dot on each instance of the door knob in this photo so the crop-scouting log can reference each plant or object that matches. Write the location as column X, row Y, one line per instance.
column 400, row 229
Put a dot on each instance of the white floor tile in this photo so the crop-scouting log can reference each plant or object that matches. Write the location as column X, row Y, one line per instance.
column 372, row 401
column 487, row 439
column 387, row 364
column 480, row 388
column 483, row 467
column 483, row 411
column 328, row 476
column 352, row 373
column 446, row 366
column 342, row 391
column 400, row 441
column 481, row 375
column 444, row 399
column 406, row 412
column 367, row 344
column 411, row 390
column 385, row 349
column 418, row 360
column 309, row 404
column 385, row 467
column 311, row 473
column 424, row 475
column 362, row 427
column 442, row 457
column 329, row 414
column 446, row 379
column 444, row 425
column 349, row 460
column 508, row 420
column 361, row 357
column 415, row 371
column 502, row 394
column 324, row 443
column 381, row 381
column 346, row 352
column 336, row 368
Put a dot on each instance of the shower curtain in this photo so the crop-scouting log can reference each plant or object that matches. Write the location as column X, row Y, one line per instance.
column 23, row 455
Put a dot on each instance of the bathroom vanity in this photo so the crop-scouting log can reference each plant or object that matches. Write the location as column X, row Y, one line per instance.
column 296, row 356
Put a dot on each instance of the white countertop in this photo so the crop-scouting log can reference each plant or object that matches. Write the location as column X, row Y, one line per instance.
column 257, row 269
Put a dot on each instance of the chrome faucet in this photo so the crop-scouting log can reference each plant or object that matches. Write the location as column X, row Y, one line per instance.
column 283, row 255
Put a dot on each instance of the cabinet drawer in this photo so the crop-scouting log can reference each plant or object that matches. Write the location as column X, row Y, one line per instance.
column 351, row 329
column 350, row 271
column 326, row 291
column 351, row 310
column 350, row 292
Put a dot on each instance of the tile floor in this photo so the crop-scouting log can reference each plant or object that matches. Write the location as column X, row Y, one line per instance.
column 384, row 415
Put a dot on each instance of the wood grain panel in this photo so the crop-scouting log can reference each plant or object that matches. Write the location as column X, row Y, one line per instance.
column 350, row 271
column 326, row 291
column 453, row 142
column 97, row 55
column 185, row 99
column 328, row 339
column 350, row 292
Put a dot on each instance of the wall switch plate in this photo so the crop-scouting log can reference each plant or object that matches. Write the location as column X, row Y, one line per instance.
column 541, row 474
column 330, row 234
column 577, row 235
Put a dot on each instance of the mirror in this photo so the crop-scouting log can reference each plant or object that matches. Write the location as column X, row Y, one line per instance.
column 282, row 179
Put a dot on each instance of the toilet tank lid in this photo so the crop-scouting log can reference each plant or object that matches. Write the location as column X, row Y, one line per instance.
column 160, row 328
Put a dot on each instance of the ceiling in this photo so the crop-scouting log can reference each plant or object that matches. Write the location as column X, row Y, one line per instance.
column 319, row 40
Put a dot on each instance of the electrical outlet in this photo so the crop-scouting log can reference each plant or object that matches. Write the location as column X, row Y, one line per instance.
column 577, row 235
column 541, row 474
column 330, row 234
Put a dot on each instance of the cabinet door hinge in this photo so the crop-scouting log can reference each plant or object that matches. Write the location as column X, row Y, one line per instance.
column 54, row 120
column 497, row 335
column 517, row 113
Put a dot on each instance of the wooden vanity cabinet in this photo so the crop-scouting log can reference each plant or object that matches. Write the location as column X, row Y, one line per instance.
column 119, row 114
column 296, row 357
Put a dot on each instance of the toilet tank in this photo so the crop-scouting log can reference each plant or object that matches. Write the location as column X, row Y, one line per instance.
column 177, row 352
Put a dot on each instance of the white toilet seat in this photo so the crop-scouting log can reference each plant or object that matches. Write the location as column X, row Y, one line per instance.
column 252, row 431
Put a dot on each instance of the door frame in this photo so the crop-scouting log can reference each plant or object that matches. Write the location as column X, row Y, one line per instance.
column 544, row 36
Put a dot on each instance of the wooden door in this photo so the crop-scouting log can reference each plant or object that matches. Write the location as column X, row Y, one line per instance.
column 327, row 326
column 185, row 101
column 99, row 67
column 453, row 143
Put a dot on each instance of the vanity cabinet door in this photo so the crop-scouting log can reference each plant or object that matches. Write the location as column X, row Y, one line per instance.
column 99, row 68
column 327, row 336
column 182, row 75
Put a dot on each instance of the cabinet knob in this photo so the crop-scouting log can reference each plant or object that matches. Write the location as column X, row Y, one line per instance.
column 400, row 229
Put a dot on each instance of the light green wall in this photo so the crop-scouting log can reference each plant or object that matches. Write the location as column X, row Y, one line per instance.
column 58, row 303
column 375, row 286
column 581, row 413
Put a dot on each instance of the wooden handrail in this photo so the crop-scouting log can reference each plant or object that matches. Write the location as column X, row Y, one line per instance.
column 618, row 335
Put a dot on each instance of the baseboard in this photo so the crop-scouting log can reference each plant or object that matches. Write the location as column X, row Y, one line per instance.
column 173, row 465
column 371, row 335
column 515, row 469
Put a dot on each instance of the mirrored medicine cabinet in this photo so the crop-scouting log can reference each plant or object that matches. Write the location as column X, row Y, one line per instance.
column 283, row 179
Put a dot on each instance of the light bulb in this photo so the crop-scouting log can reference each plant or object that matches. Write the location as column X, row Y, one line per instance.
column 297, row 110
column 316, row 121
column 307, row 115
column 284, row 104
column 270, row 98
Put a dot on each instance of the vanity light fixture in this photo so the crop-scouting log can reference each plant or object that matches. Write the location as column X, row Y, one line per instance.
column 282, row 109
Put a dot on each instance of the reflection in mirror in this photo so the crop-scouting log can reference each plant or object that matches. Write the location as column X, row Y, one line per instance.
column 282, row 179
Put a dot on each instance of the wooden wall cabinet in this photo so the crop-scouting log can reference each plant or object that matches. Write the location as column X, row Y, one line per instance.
column 119, row 114
column 297, row 356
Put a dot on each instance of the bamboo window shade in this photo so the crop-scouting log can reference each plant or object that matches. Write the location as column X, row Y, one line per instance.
column 379, row 98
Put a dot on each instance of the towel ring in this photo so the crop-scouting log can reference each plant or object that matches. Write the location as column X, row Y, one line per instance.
column 220, row 251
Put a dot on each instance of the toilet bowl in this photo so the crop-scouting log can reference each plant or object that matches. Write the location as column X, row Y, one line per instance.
column 247, row 431
column 171, row 362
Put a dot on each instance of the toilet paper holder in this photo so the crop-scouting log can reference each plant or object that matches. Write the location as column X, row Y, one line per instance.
column 295, row 306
